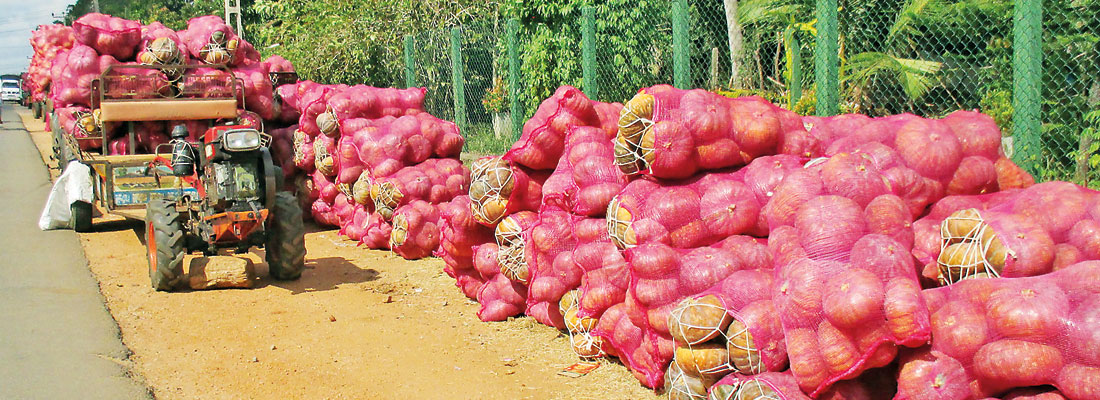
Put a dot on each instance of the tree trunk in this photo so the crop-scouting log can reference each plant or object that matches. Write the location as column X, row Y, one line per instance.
column 1082, row 173
column 733, row 31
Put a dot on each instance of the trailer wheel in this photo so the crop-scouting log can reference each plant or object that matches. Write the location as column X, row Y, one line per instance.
column 285, row 244
column 164, row 240
column 80, row 216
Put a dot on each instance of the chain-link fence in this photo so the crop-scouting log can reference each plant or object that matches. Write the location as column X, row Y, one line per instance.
column 1033, row 67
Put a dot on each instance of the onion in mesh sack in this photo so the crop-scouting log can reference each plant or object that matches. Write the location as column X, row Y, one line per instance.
column 415, row 231
column 1015, row 233
column 500, row 298
column 543, row 138
column 460, row 233
column 435, row 180
column 161, row 45
column 108, row 35
column 499, row 188
column 993, row 335
column 586, row 177
column 672, row 133
column 512, row 253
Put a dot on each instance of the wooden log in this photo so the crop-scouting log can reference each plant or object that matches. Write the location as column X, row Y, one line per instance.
column 221, row 272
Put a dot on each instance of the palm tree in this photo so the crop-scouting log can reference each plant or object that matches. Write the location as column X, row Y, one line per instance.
column 915, row 76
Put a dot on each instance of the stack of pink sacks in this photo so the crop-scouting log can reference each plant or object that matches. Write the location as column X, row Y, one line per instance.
column 67, row 60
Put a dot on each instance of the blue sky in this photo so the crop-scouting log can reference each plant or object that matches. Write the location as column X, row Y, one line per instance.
column 17, row 19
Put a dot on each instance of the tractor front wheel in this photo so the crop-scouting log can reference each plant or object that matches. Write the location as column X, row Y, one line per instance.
column 164, row 240
column 286, row 243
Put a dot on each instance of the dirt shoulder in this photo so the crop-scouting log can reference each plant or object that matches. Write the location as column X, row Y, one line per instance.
column 359, row 324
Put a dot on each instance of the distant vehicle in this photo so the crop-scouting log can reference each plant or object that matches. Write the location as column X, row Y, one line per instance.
column 11, row 91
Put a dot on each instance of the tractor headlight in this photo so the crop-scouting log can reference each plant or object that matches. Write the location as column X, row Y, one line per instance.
column 242, row 140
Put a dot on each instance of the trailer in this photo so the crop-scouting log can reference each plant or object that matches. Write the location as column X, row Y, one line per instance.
column 124, row 184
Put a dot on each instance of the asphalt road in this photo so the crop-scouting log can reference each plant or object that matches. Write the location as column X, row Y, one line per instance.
column 57, row 339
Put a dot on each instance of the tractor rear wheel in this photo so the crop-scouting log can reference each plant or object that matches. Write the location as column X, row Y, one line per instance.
column 164, row 240
column 286, row 243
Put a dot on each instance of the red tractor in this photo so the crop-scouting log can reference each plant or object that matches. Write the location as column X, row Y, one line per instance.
column 236, row 204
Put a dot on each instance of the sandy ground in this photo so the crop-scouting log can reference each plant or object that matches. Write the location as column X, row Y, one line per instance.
column 359, row 324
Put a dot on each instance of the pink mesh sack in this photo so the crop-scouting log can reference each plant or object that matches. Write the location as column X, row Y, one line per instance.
column 511, row 238
column 732, row 327
column 543, row 137
column 1016, row 233
column 361, row 101
column 348, row 166
column 409, row 140
column 210, row 40
column 584, row 344
column 663, row 276
column 72, row 75
column 993, row 335
column 645, row 353
column 312, row 101
column 324, row 153
column 459, row 234
column 549, row 258
column 286, row 102
column 605, row 278
column 877, row 384
column 161, row 45
column 257, row 90
column 436, row 180
column 926, row 159
column 586, row 177
column 282, row 150
column 108, row 35
column 697, row 211
column 276, row 63
column 356, row 228
column 304, row 157
column 499, row 188
column 500, row 297
column 378, row 232
column 846, row 289
column 323, row 214
column 415, row 232
column 672, row 133
column 80, row 123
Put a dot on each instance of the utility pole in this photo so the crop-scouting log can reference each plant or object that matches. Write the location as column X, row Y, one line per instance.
column 233, row 9
column 95, row 5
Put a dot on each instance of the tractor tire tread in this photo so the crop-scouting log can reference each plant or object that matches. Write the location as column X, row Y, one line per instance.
column 285, row 245
column 170, row 239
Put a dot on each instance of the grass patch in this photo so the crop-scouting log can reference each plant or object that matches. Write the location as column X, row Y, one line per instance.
column 480, row 142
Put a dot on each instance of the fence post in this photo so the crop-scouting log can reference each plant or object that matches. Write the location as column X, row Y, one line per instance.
column 458, row 80
column 826, row 59
column 410, row 63
column 513, row 77
column 794, row 50
column 681, row 54
column 1027, row 70
column 588, row 52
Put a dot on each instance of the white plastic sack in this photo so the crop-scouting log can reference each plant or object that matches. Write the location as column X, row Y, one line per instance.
column 75, row 184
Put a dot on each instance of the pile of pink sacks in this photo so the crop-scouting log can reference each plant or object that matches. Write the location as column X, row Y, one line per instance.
column 805, row 248
column 68, row 59
column 47, row 41
column 372, row 162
